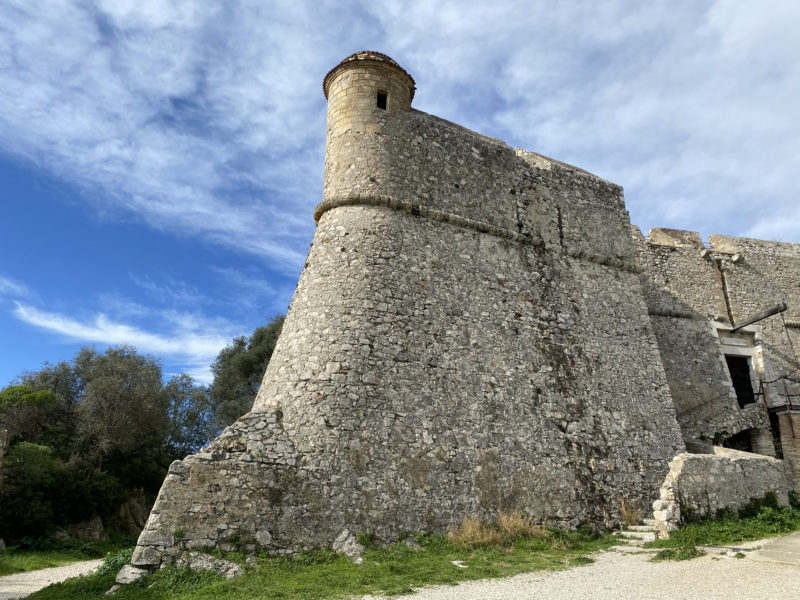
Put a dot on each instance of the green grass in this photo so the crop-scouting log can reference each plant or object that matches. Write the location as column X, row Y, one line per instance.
column 730, row 529
column 322, row 574
column 768, row 522
column 683, row 553
column 33, row 556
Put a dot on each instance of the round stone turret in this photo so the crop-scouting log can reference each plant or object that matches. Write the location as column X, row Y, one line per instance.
column 363, row 90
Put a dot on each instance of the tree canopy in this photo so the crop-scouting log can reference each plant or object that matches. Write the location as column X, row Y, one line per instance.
column 84, row 435
column 239, row 369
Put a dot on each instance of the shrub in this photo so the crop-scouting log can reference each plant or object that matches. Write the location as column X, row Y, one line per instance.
column 628, row 512
column 29, row 474
column 474, row 533
column 114, row 561
column 683, row 553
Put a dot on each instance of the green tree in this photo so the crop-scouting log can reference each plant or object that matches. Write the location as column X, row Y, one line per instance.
column 190, row 414
column 63, row 382
column 26, row 413
column 123, row 409
column 41, row 491
column 239, row 369
column 87, row 434
column 61, row 379
column 29, row 486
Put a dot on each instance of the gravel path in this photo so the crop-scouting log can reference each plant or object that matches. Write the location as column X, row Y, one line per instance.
column 618, row 576
column 614, row 576
column 23, row 584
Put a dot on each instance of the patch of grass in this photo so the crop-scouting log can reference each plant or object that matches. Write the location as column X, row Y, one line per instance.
column 628, row 512
column 683, row 553
column 32, row 555
column 397, row 569
column 27, row 560
column 365, row 539
column 474, row 533
column 731, row 529
column 114, row 561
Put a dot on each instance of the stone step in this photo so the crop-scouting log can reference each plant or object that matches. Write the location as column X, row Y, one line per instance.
column 633, row 541
column 650, row 522
column 634, row 549
column 639, row 528
column 729, row 550
column 641, row 535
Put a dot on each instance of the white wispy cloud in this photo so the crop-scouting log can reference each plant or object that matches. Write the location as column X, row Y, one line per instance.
column 247, row 289
column 235, row 291
column 689, row 105
column 191, row 340
column 182, row 114
column 169, row 290
column 10, row 287
column 206, row 119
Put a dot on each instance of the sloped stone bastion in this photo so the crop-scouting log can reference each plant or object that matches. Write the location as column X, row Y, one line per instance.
column 469, row 335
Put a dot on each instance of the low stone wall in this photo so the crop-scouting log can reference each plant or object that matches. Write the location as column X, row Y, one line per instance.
column 702, row 484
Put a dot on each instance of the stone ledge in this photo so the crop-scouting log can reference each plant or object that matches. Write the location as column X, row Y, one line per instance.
column 703, row 484
column 361, row 199
column 423, row 211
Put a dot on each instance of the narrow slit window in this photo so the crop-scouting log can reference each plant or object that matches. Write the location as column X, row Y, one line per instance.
column 382, row 99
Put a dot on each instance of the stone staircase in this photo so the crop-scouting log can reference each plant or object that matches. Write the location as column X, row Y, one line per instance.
column 634, row 537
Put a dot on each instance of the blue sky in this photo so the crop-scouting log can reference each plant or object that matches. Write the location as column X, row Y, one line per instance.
column 160, row 161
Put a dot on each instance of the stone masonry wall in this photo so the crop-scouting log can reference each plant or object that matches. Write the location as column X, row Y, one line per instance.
column 789, row 430
column 700, row 485
column 685, row 296
column 760, row 274
column 688, row 288
column 468, row 336
column 430, row 162
column 422, row 377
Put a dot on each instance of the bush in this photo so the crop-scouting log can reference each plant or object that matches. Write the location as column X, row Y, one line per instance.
column 734, row 528
column 682, row 553
column 779, row 520
column 29, row 485
column 42, row 492
column 474, row 533
column 114, row 561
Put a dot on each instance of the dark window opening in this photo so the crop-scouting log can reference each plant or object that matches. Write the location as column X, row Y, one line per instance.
column 382, row 100
column 775, row 427
column 741, row 441
column 740, row 376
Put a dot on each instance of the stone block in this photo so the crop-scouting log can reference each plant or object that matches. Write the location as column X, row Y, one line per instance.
column 674, row 237
column 129, row 574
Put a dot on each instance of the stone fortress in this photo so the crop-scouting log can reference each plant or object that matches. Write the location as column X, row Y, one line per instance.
column 478, row 329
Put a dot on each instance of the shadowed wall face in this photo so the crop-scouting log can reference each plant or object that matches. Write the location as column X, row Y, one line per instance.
column 694, row 294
